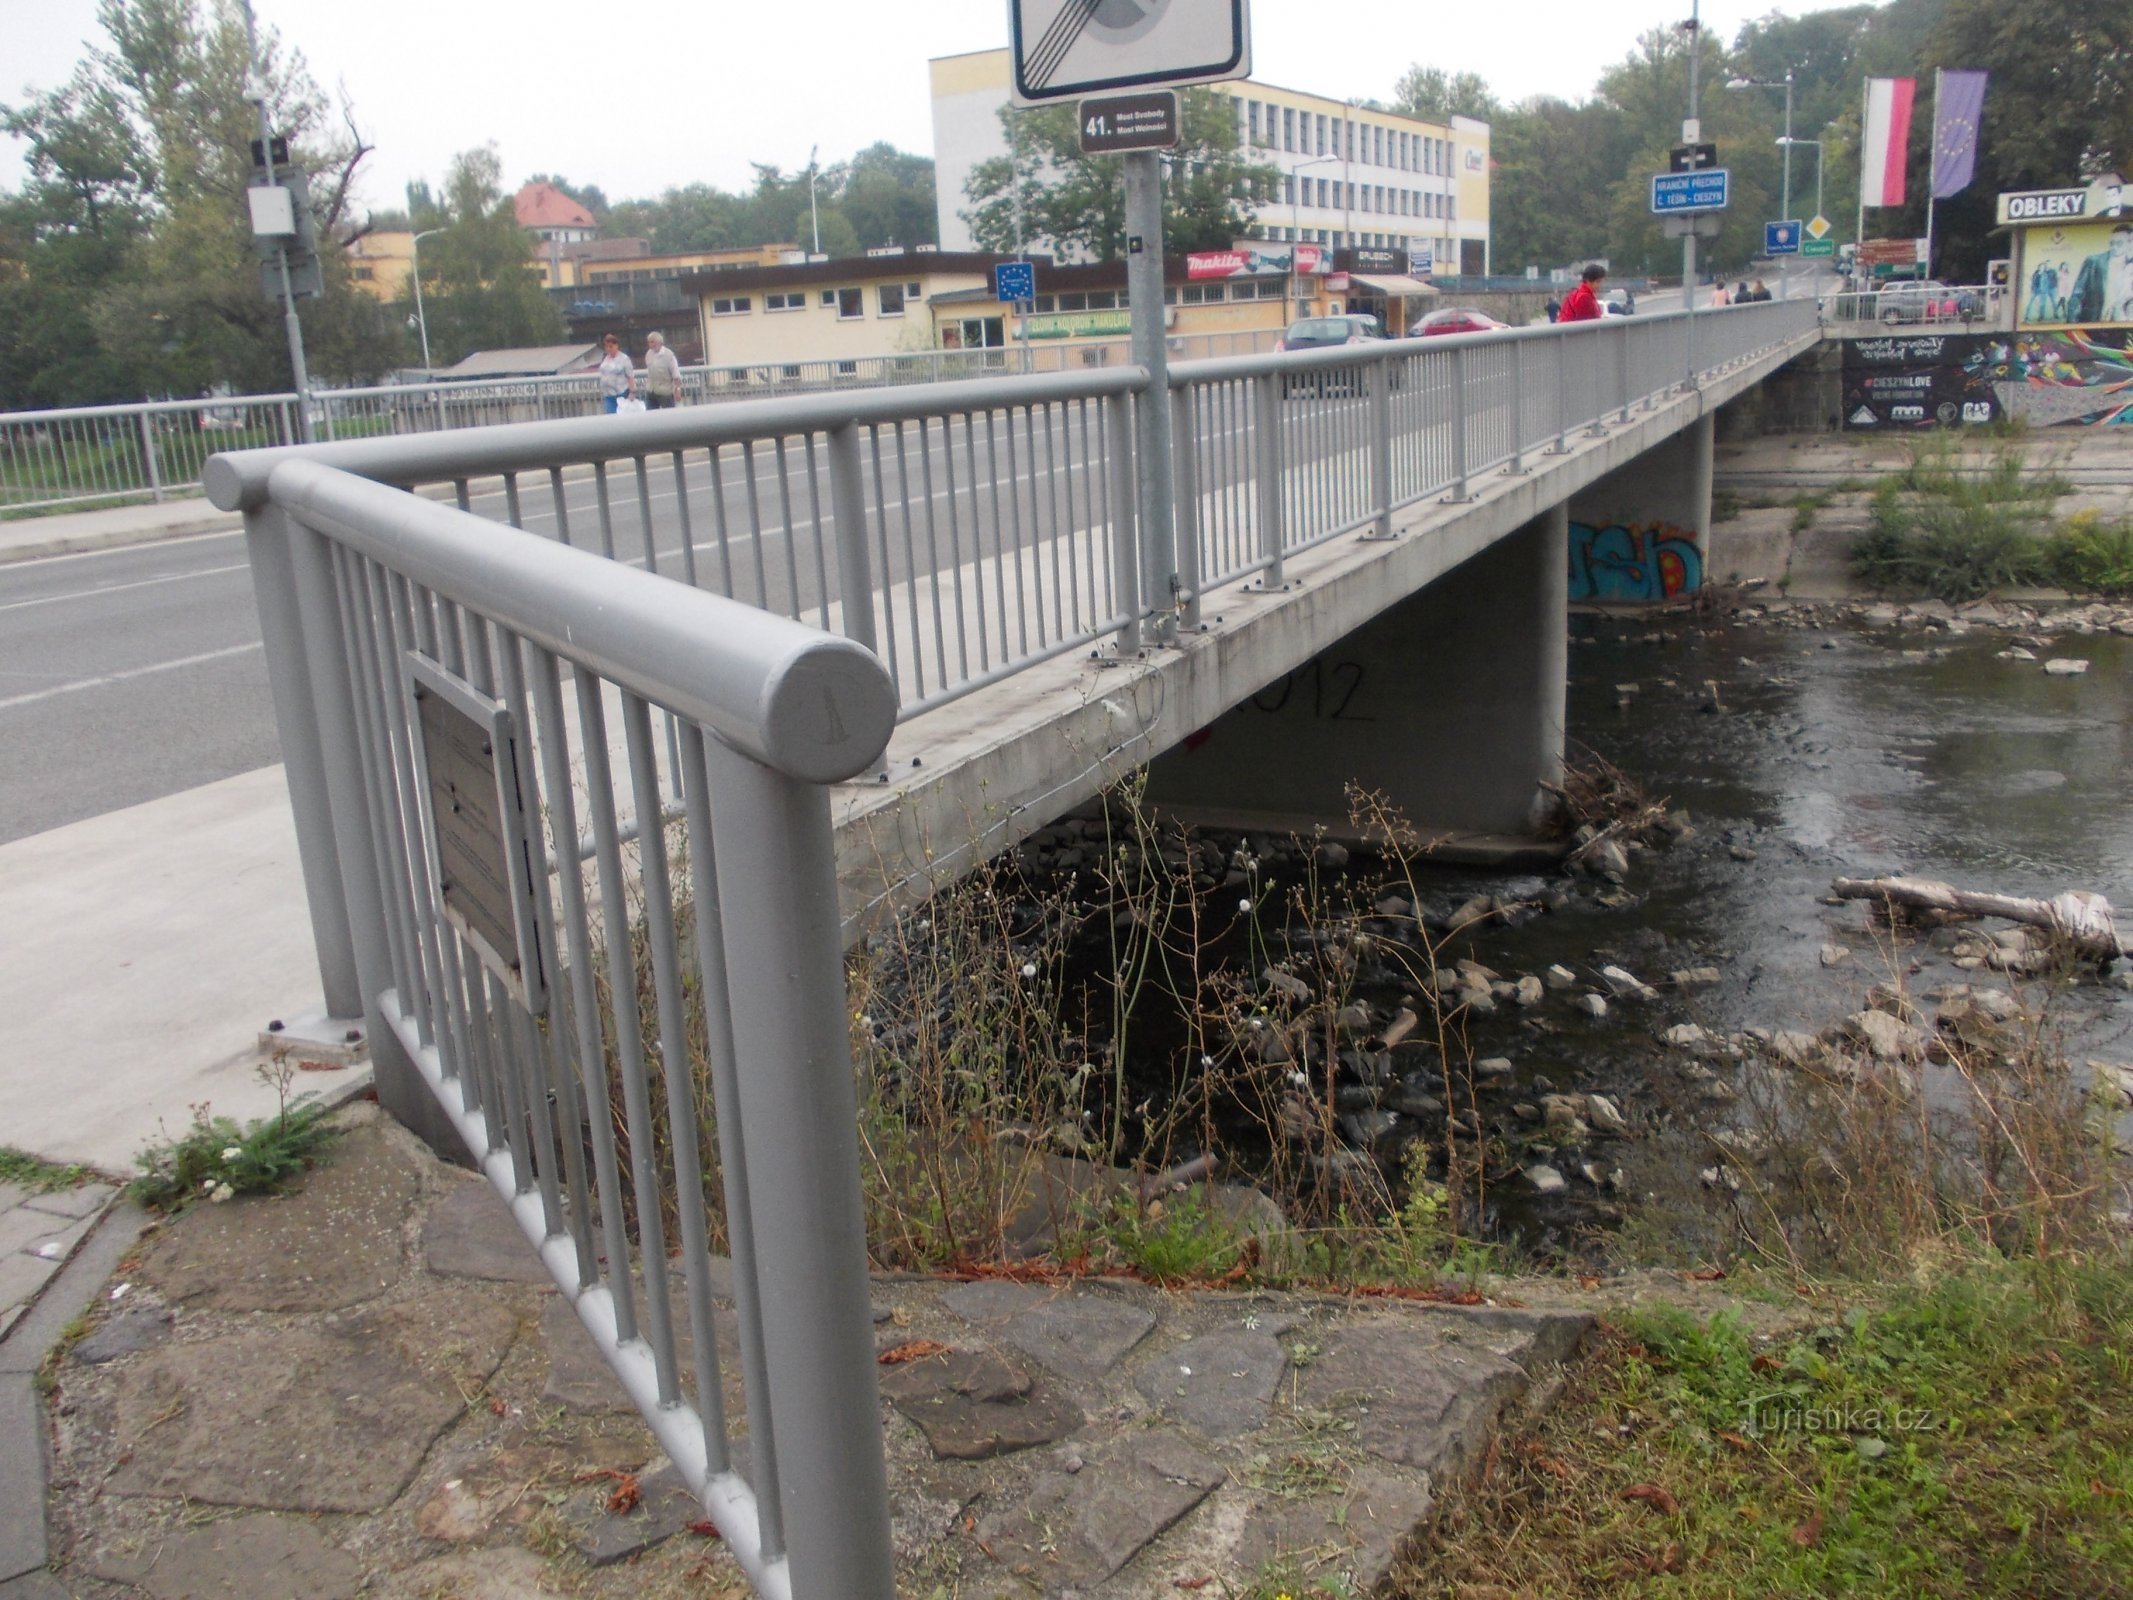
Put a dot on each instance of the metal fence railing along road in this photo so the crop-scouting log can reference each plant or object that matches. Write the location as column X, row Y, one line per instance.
column 646, row 762
column 1921, row 307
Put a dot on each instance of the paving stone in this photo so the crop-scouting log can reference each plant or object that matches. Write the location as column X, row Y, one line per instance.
column 1357, row 1530
column 22, row 1278
column 1076, row 1530
column 22, row 1546
column 580, row 1379
column 240, row 1558
column 503, row 1573
column 991, row 1300
column 333, row 1418
column 12, row 1195
column 1222, row 1384
column 603, row 1537
column 127, row 1334
column 973, row 1405
column 33, row 1586
column 1080, row 1335
column 84, row 1200
column 333, row 1244
column 1415, row 1399
column 22, row 1228
column 469, row 1233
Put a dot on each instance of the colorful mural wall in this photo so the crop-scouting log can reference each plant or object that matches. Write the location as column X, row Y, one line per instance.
column 1648, row 561
column 1918, row 380
column 2076, row 376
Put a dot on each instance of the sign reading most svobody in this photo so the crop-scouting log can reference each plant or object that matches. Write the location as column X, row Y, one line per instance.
column 1066, row 49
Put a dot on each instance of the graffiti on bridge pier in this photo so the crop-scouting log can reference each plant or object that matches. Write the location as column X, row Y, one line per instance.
column 1645, row 561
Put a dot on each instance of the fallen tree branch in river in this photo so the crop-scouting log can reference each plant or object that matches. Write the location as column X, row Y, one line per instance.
column 2082, row 918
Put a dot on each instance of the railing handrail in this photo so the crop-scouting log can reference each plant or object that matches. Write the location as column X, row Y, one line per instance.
column 237, row 480
column 805, row 703
column 134, row 408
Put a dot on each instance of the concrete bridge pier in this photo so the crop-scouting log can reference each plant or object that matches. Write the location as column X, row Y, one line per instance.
column 1643, row 532
column 1449, row 703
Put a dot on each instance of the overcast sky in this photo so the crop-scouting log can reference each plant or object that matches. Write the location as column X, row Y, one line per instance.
column 652, row 93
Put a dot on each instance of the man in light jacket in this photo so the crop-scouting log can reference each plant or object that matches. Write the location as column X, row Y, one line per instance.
column 662, row 373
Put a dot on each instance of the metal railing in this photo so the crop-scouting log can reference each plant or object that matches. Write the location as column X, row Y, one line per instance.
column 632, row 1082
column 152, row 451
column 651, row 768
column 966, row 530
column 1926, row 308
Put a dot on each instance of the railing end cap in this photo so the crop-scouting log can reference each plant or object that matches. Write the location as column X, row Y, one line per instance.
column 827, row 711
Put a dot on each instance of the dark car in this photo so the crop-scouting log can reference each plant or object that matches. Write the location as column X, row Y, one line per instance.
column 1325, row 333
column 1457, row 319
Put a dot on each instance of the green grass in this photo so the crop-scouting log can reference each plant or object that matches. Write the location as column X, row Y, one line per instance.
column 26, row 1171
column 1969, row 1439
column 216, row 1160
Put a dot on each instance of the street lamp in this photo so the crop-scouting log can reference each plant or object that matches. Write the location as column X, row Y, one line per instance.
column 813, row 212
column 1296, row 232
column 1785, row 144
column 421, row 322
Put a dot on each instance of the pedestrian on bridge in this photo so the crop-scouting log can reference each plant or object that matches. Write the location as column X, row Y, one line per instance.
column 1582, row 304
column 662, row 373
column 618, row 375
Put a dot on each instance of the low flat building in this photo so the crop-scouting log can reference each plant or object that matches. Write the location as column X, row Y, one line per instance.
column 839, row 310
column 1351, row 177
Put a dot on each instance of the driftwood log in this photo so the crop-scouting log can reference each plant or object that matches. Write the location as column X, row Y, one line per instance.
column 2083, row 919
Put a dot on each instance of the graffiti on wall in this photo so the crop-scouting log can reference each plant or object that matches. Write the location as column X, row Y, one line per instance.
column 2077, row 376
column 1646, row 561
column 1918, row 380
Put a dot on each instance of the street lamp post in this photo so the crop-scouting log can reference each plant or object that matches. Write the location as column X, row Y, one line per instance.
column 1295, row 231
column 1785, row 144
column 814, row 213
column 422, row 321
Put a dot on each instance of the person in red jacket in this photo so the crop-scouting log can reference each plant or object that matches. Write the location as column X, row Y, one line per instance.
column 1582, row 304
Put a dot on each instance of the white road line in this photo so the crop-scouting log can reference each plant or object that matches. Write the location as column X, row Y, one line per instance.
column 131, row 672
column 121, row 588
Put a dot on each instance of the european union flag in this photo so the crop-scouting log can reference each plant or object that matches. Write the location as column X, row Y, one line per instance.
column 1959, row 106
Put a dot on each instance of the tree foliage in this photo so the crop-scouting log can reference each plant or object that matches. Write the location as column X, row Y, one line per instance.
column 1077, row 203
column 126, row 262
column 882, row 196
column 479, row 287
column 1437, row 96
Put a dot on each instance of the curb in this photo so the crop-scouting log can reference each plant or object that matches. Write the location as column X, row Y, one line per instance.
column 70, row 544
column 24, row 1446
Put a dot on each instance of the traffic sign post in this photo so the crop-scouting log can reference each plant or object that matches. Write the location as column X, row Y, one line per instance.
column 1781, row 238
column 1818, row 247
column 1691, row 191
column 1691, row 157
column 1122, row 122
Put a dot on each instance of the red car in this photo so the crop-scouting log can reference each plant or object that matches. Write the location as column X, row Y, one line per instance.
column 1457, row 319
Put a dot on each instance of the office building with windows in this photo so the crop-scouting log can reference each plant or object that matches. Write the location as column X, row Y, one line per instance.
column 1351, row 177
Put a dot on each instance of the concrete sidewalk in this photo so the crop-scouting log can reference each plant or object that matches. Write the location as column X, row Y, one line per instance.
column 110, row 528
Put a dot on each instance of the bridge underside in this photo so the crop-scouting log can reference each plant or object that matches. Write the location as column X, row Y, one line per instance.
column 1467, row 682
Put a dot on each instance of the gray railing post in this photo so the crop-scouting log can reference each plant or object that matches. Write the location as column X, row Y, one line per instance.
column 1459, row 488
column 1185, row 492
column 1561, row 447
column 1518, row 407
column 1381, row 446
column 148, row 455
column 777, row 876
column 1124, row 485
column 282, row 630
column 848, row 503
column 1622, row 370
column 1266, row 427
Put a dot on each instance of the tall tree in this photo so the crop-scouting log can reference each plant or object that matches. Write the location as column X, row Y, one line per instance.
column 479, row 288
column 147, row 150
column 1077, row 203
column 887, row 196
column 1437, row 96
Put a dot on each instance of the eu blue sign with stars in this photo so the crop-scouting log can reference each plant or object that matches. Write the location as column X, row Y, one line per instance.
column 1014, row 280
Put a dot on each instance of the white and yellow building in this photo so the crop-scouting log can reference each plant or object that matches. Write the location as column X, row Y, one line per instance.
column 1350, row 177
column 840, row 310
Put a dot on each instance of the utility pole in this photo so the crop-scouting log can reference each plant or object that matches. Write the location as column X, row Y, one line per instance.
column 256, row 86
column 1691, row 132
column 814, row 214
column 1144, row 293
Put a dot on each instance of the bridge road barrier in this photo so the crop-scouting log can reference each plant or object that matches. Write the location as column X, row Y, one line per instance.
column 954, row 534
column 424, row 639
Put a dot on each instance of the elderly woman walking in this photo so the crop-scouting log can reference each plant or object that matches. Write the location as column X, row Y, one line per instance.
column 618, row 377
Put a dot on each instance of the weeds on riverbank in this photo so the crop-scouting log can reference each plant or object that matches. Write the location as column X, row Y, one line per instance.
column 217, row 1160
column 1970, row 1438
column 1959, row 529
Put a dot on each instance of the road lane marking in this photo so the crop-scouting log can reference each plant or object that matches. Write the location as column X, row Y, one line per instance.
column 121, row 588
column 34, row 696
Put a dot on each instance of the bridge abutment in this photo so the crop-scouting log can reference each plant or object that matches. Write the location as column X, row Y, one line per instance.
column 1450, row 704
column 1643, row 532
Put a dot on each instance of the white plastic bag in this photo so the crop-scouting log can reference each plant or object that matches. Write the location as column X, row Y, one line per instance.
column 629, row 406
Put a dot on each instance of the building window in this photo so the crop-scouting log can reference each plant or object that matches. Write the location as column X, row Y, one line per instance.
column 1042, row 303
column 892, row 299
column 1321, row 135
column 1288, row 127
column 1073, row 302
column 1103, row 299
column 1288, row 188
column 731, row 306
column 1205, row 294
column 829, row 297
column 847, row 369
column 1451, row 208
column 1254, row 106
column 794, row 300
column 851, row 305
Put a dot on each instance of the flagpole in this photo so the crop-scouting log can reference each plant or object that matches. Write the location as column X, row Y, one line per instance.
column 1866, row 112
column 1932, row 155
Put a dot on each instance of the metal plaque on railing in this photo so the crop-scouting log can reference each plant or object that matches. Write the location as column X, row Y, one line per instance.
column 481, row 837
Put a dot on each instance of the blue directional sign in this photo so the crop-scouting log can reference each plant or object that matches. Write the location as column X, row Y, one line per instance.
column 1014, row 280
column 1781, row 238
column 1690, row 191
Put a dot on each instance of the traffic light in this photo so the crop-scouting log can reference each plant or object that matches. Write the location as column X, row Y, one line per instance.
column 275, row 228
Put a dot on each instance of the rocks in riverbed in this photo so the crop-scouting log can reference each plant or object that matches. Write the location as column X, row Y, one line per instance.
column 1560, row 977
column 1546, row 1179
column 1592, row 1005
column 1888, row 1038
column 1627, row 985
column 1697, row 978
